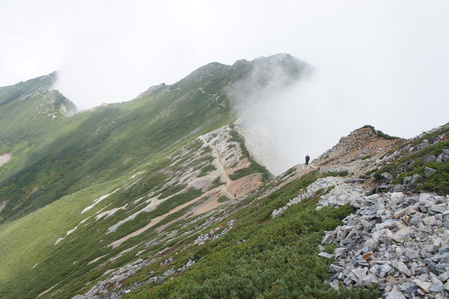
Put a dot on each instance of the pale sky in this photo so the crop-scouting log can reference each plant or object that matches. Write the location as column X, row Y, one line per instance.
column 387, row 60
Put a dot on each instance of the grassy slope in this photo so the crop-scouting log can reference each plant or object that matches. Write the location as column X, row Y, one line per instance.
column 75, row 161
column 36, row 235
column 260, row 257
column 66, row 163
column 93, row 146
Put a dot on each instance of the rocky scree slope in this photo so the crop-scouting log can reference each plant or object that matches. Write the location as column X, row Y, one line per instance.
column 397, row 239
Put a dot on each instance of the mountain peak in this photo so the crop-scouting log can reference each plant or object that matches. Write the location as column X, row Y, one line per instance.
column 22, row 89
column 202, row 73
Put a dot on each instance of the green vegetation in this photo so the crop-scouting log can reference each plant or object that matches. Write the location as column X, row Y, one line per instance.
column 55, row 157
column 254, row 167
column 75, row 185
column 216, row 183
column 206, row 169
column 431, row 136
column 172, row 190
column 65, row 155
column 381, row 134
column 437, row 181
column 260, row 256
column 223, row 199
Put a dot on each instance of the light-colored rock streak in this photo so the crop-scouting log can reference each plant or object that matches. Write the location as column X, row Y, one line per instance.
column 96, row 201
column 5, row 158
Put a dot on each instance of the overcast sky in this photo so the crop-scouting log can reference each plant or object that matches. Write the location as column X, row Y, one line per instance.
column 387, row 60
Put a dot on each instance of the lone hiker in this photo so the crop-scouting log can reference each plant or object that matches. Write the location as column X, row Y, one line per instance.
column 307, row 159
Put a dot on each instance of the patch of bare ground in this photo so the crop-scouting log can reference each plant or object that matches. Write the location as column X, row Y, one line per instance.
column 356, row 152
column 226, row 159
column 5, row 158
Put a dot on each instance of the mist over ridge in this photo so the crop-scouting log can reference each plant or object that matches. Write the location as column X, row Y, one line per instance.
column 288, row 109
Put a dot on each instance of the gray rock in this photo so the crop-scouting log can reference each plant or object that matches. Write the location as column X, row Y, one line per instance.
column 169, row 260
column 429, row 158
column 387, row 176
column 401, row 267
column 446, row 286
column 410, row 255
column 445, row 158
column 338, row 252
column 424, row 197
column 169, row 272
column 423, row 144
column 407, row 180
column 383, row 187
column 428, row 171
column 400, row 235
column 360, row 273
column 424, row 286
column 395, row 293
column 439, row 208
column 437, row 288
column 431, row 220
column 335, row 269
column 328, row 238
column 444, row 276
column 384, row 270
column 157, row 279
column 373, row 198
column 399, row 188
column 444, row 249
column 416, row 178
column 325, row 255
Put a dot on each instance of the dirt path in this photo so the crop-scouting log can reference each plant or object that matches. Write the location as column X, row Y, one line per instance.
column 218, row 163
column 229, row 188
column 209, row 204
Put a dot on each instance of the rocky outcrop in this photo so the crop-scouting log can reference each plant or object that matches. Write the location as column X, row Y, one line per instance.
column 411, row 175
column 214, row 234
column 399, row 242
column 361, row 144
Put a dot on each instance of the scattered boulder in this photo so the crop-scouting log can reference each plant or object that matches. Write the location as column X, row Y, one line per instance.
column 395, row 240
column 428, row 171
column 425, row 143
column 416, row 178
column 429, row 158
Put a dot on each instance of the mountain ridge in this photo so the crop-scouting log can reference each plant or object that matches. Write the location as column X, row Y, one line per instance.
column 162, row 197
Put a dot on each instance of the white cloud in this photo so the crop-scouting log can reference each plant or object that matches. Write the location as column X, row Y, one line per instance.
column 388, row 59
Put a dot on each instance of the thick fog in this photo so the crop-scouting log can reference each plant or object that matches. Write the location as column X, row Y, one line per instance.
column 286, row 117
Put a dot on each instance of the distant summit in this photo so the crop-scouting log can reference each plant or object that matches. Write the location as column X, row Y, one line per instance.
column 16, row 91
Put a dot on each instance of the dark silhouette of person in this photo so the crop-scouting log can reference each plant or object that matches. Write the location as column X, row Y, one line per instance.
column 307, row 160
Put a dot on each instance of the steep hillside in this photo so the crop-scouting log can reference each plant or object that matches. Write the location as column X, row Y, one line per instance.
column 54, row 157
column 116, row 175
column 305, row 234
column 162, row 197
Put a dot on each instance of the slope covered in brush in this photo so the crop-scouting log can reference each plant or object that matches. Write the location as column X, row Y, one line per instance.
column 83, row 194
